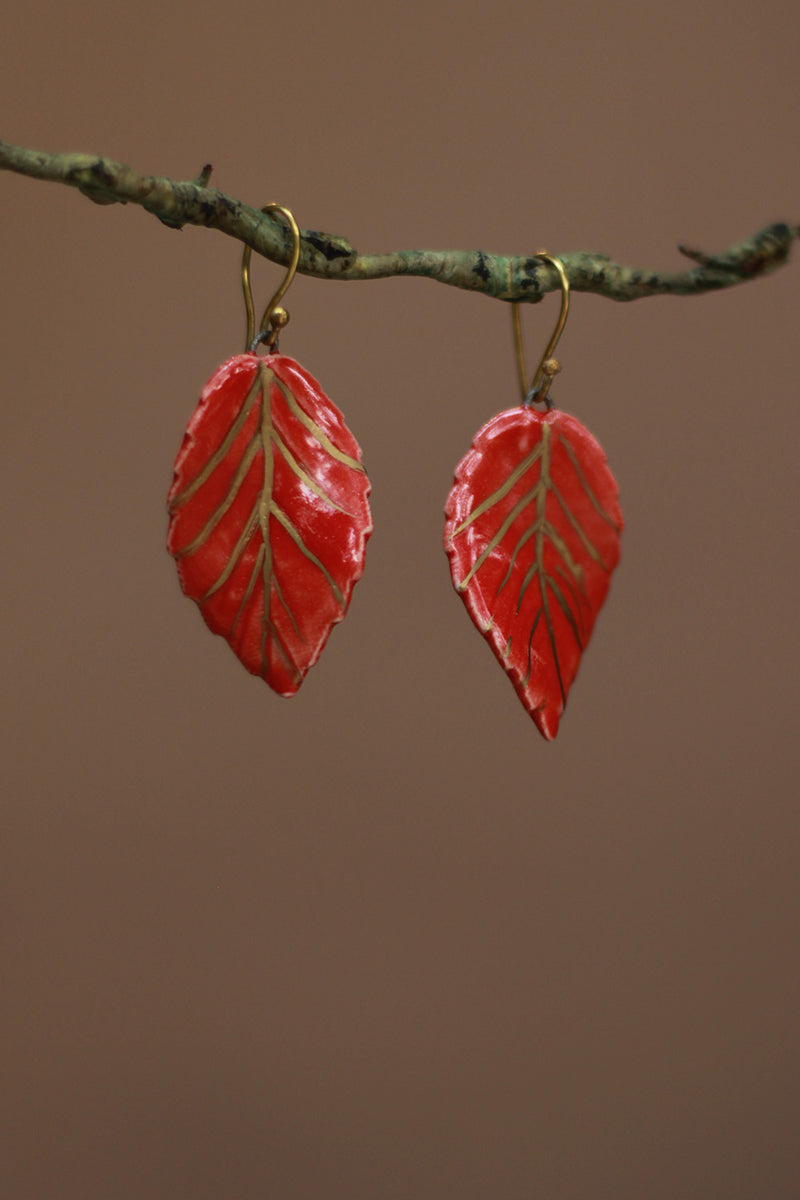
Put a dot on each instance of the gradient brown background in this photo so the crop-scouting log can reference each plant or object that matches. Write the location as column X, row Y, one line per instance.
column 381, row 941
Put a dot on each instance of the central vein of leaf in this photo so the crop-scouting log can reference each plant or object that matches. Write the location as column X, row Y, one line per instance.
column 265, row 499
column 541, row 504
column 541, row 498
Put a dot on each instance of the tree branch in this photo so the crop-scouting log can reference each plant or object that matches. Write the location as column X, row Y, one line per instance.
column 326, row 256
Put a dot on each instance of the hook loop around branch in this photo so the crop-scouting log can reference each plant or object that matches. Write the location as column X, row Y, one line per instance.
column 274, row 317
column 548, row 366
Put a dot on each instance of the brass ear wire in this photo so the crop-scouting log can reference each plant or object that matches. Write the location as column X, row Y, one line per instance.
column 274, row 317
column 549, row 366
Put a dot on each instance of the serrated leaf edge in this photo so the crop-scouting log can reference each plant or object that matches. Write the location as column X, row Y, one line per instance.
column 265, row 440
column 542, row 530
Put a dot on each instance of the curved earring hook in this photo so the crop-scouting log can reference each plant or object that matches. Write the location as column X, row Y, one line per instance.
column 274, row 317
column 549, row 366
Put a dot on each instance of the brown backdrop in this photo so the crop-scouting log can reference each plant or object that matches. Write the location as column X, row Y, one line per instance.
column 381, row 941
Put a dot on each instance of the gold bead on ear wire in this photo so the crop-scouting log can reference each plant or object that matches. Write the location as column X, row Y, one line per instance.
column 549, row 366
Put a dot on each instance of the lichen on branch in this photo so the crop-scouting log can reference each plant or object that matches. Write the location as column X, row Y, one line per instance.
column 326, row 256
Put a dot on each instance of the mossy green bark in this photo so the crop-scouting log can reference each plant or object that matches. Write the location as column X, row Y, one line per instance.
column 326, row 256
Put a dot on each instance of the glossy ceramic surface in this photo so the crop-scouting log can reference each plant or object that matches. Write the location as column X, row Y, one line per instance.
column 269, row 515
column 532, row 532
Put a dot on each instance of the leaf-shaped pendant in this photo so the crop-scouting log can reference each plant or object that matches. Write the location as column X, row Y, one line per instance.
column 269, row 515
column 532, row 532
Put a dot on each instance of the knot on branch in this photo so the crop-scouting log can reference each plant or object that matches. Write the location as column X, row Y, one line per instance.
column 330, row 247
column 96, row 180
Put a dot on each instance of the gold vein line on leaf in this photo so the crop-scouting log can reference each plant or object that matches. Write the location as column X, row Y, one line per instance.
column 590, row 549
column 540, row 492
column 502, row 491
column 303, row 475
column 233, row 559
column 542, row 528
column 573, row 458
column 289, row 612
column 524, row 538
column 552, row 637
column 502, row 530
column 319, row 434
column 216, row 517
column 269, row 629
column 535, row 570
column 267, row 626
column 265, row 432
column 565, row 608
column 297, row 539
column 222, row 450
column 264, row 505
column 556, row 540
column 249, row 590
column 577, row 599
column 527, row 678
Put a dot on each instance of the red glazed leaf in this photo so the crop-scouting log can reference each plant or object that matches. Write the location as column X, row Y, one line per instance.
column 269, row 515
column 532, row 532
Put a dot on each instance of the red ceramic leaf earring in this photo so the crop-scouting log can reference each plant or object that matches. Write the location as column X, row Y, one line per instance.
column 268, row 509
column 532, row 533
